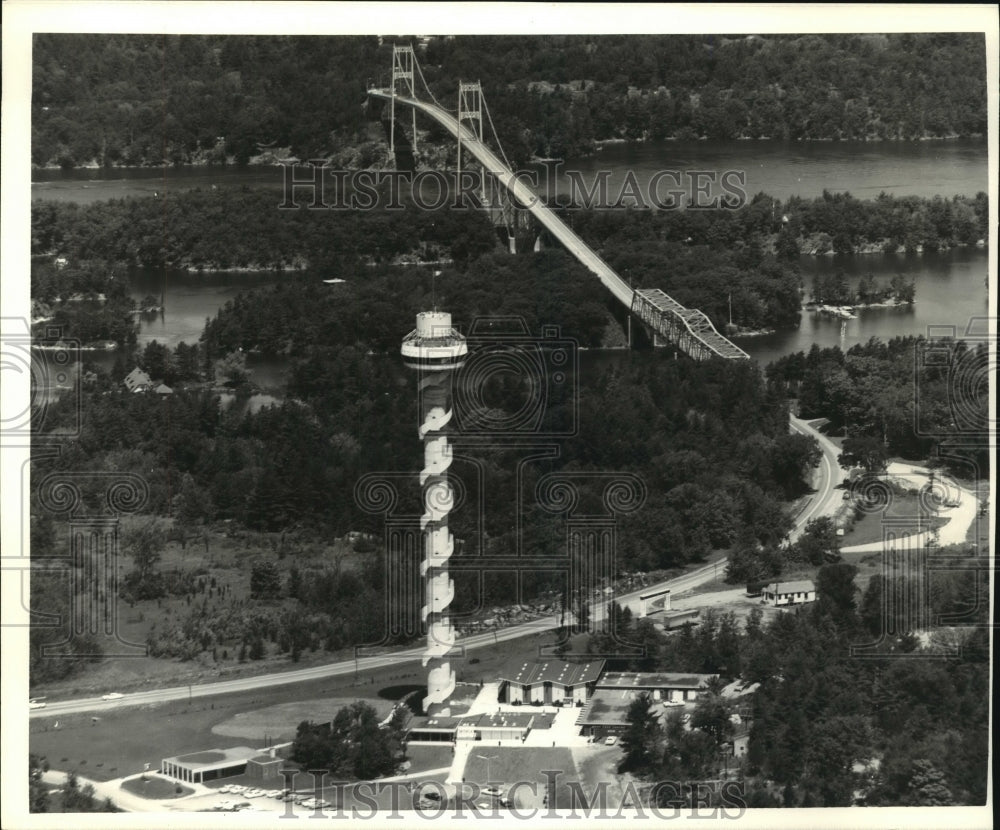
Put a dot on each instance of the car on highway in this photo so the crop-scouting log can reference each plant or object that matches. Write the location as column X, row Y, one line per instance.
column 36, row 704
column 112, row 696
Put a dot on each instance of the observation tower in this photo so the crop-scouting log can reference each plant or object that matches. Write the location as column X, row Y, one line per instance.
column 434, row 349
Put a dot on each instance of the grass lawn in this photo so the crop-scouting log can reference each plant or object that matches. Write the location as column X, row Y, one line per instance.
column 509, row 765
column 280, row 722
column 869, row 528
column 428, row 756
column 118, row 743
column 152, row 786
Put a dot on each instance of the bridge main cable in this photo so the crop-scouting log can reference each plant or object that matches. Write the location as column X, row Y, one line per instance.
column 693, row 321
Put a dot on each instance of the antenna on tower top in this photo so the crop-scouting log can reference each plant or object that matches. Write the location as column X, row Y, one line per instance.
column 434, row 276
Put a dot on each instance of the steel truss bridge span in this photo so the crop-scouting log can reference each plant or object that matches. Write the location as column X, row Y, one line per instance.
column 689, row 330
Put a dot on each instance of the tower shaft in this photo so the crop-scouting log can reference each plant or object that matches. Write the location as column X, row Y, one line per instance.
column 435, row 349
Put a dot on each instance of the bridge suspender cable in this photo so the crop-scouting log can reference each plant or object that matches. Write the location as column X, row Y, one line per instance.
column 689, row 329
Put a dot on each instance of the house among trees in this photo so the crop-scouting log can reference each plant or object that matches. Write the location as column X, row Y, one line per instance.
column 137, row 381
column 789, row 593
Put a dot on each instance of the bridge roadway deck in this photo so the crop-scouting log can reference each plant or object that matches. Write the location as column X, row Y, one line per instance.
column 524, row 195
column 695, row 322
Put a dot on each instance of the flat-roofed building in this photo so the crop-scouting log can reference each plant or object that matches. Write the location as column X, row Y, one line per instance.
column 666, row 686
column 438, row 729
column 551, row 681
column 210, row 765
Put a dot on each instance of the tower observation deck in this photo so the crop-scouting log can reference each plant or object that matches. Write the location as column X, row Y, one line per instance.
column 434, row 349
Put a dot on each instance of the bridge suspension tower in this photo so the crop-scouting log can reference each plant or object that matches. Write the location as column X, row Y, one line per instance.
column 403, row 62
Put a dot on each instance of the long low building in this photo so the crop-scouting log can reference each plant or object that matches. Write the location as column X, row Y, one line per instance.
column 790, row 593
column 673, row 686
column 210, row 765
column 488, row 727
column 551, row 681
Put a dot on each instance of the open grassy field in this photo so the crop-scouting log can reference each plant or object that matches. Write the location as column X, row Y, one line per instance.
column 119, row 743
column 156, row 788
column 509, row 765
column 906, row 507
column 279, row 722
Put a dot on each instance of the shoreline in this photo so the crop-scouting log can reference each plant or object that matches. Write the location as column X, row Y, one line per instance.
column 268, row 160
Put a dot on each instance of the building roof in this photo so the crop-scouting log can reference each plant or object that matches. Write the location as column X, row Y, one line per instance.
column 557, row 671
column 606, row 708
column 648, row 680
column 435, row 724
column 510, row 720
column 267, row 759
column 798, row 586
column 215, row 758
column 136, row 378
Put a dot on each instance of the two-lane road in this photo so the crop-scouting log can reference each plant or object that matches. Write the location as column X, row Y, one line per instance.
column 820, row 503
column 826, row 498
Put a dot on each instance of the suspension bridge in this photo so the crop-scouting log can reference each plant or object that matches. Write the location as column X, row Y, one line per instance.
column 687, row 329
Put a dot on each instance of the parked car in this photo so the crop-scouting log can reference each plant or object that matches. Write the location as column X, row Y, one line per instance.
column 611, row 740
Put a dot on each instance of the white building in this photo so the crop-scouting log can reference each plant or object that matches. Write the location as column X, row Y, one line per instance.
column 789, row 593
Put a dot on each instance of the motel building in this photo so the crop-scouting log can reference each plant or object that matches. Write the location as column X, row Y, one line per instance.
column 551, row 681
column 606, row 712
column 662, row 686
column 789, row 593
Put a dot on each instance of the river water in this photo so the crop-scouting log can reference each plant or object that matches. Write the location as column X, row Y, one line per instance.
column 950, row 286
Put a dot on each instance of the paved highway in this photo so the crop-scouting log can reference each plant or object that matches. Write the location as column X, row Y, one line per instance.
column 825, row 496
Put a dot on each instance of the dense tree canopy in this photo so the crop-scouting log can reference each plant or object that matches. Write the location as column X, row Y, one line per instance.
column 153, row 99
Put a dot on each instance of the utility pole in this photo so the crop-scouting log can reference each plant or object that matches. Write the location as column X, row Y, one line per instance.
column 487, row 759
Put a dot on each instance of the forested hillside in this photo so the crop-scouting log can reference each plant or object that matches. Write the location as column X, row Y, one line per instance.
column 154, row 99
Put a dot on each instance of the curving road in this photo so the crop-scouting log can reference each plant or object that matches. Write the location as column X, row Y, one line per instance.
column 826, row 499
column 829, row 475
